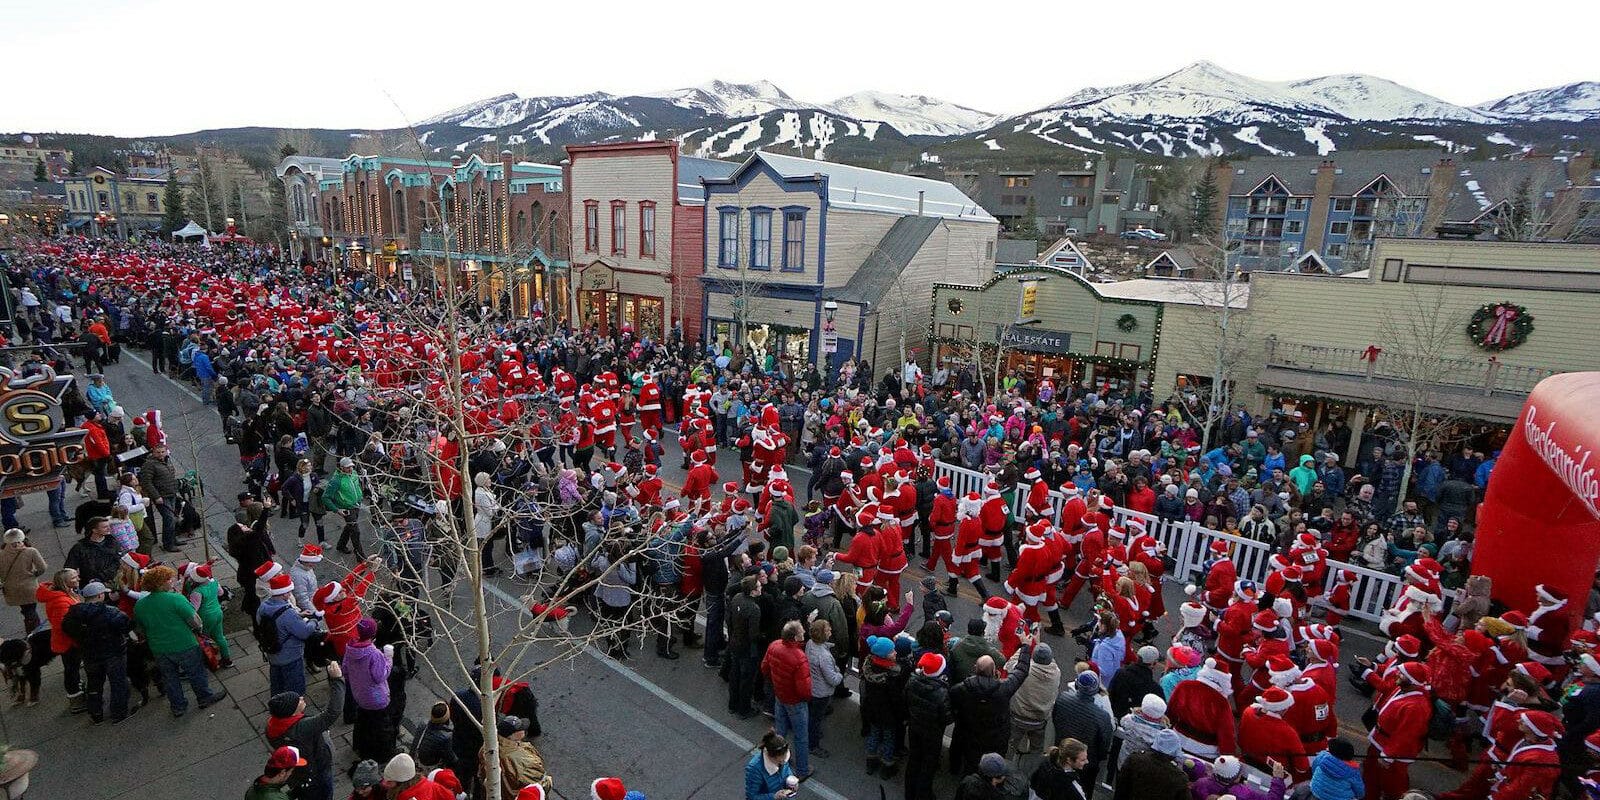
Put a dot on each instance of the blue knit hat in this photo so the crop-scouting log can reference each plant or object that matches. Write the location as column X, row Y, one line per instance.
column 904, row 643
column 1087, row 682
column 880, row 646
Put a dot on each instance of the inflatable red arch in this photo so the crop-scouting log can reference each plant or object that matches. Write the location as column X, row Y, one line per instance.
column 1540, row 520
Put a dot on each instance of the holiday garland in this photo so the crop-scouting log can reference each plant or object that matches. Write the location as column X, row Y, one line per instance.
column 1500, row 326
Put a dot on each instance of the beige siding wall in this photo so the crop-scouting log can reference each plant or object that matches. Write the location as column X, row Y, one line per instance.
column 631, row 179
column 1189, row 335
column 762, row 191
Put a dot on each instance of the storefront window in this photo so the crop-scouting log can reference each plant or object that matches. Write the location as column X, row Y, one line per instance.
column 788, row 345
column 721, row 334
column 643, row 314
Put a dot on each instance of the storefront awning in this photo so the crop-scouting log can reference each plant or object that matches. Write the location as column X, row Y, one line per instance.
column 1462, row 401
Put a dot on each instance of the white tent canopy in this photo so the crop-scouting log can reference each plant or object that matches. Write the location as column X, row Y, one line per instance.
column 190, row 231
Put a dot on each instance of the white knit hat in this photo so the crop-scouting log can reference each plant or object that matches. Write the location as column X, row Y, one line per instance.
column 400, row 769
column 1153, row 706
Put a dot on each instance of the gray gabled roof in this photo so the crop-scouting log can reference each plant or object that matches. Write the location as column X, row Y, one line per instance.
column 1353, row 171
column 861, row 189
column 692, row 169
column 1015, row 252
column 884, row 264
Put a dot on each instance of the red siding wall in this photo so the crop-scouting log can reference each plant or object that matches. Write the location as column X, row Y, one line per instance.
column 688, row 263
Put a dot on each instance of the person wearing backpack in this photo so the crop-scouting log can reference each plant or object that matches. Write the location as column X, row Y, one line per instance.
column 281, row 632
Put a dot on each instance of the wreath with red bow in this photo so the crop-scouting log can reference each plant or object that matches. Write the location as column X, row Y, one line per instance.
column 1500, row 326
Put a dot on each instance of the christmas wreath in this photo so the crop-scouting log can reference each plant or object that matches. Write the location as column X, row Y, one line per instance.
column 1500, row 326
column 1127, row 322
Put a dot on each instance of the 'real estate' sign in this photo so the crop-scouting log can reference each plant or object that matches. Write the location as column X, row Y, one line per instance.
column 34, row 448
column 1036, row 339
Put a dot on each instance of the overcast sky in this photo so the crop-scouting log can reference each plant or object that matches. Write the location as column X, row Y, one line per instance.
column 151, row 67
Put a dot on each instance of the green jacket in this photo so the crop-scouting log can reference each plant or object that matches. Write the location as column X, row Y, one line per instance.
column 1304, row 475
column 965, row 653
column 784, row 520
column 342, row 491
column 258, row 791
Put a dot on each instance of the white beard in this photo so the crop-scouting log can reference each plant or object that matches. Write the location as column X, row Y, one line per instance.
column 991, row 626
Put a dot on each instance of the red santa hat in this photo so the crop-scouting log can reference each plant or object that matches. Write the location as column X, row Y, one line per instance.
column 1032, row 474
column 1135, row 525
column 1219, row 547
column 835, row 452
column 931, row 664
column 1308, row 540
column 1542, row 724
column 867, row 516
column 1416, row 672
column 1275, row 701
column 1265, row 620
column 1550, row 595
column 268, row 571
column 607, row 789
column 1419, row 594
column 197, row 573
column 616, row 470
column 1277, row 562
column 331, row 592
column 769, row 416
column 139, row 561
column 943, row 482
column 1117, row 533
column 1181, row 655
column 1281, row 671
column 1345, row 576
column 995, row 607
column 1419, row 572
column 1037, row 530
column 1408, row 646
column 1193, row 614
column 1324, row 650
column 1106, row 504
column 1293, row 574
column 279, row 585
column 447, row 778
column 310, row 553
column 1318, row 630
column 651, row 470
column 698, row 457
column 740, row 505
column 1215, row 674
column 1516, row 619
column 1533, row 671
column 1070, row 489
column 730, row 487
column 866, row 462
column 991, row 489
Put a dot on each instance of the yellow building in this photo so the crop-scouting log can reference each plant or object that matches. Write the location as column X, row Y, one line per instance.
column 103, row 203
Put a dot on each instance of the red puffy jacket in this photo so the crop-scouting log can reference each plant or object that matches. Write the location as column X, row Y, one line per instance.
column 786, row 666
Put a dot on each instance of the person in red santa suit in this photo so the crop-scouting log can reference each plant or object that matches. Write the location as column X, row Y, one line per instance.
column 1038, row 502
column 1202, row 714
column 340, row 612
column 891, row 553
column 1336, row 603
column 1072, row 508
column 1220, row 577
column 1550, row 630
column 1532, row 767
column 1265, row 734
column 1026, row 583
column 905, row 505
column 697, row 484
column 995, row 517
column 969, row 532
column 942, row 524
column 1099, row 513
column 1404, row 618
column 605, row 425
column 647, row 492
column 650, row 405
column 1270, row 644
column 1090, row 564
column 1313, row 716
column 1003, row 624
column 1377, row 678
column 1322, row 666
column 844, row 508
column 1400, row 733
column 565, row 385
column 863, row 552
column 1236, row 630
column 1308, row 555
column 1519, row 694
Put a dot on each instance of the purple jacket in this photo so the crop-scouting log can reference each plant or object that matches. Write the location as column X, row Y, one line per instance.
column 366, row 668
column 1203, row 785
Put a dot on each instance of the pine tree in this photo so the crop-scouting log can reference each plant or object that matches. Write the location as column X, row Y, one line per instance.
column 39, row 173
column 172, row 216
column 1203, row 206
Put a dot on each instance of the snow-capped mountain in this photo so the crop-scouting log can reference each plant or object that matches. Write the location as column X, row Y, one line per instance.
column 1574, row 102
column 1203, row 109
column 913, row 115
column 727, row 99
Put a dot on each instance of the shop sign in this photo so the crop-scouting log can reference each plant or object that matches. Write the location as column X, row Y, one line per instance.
column 830, row 338
column 1037, row 340
column 1030, row 300
column 34, row 449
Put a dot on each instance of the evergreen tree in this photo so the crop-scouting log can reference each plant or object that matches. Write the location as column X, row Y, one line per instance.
column 235, row 209
column 1027, row 227
column 1203, row 206
column 39, row 173
column 172, row 217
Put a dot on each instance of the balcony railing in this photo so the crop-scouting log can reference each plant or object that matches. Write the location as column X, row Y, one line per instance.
column 1487, row 374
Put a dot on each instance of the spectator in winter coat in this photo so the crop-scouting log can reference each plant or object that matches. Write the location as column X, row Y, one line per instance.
column 103, row 642
column 1138, row 728
column 1226, row 775
column 433, row 748
column 367, row 669
column 928, row 712
column 982, row 706
column 1132, row 682
column 1154, row 774
column 825, row 678
column 788, row 668
column 1335, row 774
column 1078, row 715
column 289, row 725
column 287, row 667
column 966, row 650
column 1034, row 702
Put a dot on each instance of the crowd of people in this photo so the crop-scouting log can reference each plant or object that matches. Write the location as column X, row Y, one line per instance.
column 553, row 441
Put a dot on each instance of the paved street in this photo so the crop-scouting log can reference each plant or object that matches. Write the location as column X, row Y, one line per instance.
column 660, row 725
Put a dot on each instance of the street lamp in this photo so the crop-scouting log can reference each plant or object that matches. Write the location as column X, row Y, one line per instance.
column 831, row 308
